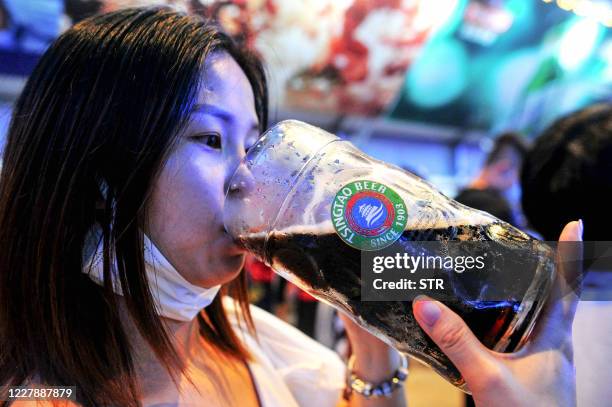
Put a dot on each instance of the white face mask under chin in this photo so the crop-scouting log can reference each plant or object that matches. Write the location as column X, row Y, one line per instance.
column 175, row 297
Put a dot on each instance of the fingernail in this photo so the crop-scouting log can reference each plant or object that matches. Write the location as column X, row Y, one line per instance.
column 428, row 310
column 581, row 225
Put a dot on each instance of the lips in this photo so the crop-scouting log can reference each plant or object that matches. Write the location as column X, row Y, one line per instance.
column 233, row 247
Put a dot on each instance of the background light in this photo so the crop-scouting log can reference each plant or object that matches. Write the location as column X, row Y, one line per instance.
column 578, row 42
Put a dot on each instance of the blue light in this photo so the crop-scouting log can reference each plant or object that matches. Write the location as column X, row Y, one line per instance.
column 439, row 74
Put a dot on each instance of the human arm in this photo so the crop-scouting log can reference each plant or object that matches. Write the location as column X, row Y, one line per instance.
column 375, row 361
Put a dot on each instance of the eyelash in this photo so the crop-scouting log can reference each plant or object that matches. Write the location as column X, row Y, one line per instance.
column 199, row 139
column 204, row 137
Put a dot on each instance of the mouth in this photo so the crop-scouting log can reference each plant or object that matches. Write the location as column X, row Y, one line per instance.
column 233, row 247
column 237, row 250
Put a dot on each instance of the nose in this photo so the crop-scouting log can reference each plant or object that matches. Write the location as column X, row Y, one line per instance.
column 239, row 182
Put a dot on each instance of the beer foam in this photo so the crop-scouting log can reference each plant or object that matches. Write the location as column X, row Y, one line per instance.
column 326, row 227
column 440, row 223
column 321, row 228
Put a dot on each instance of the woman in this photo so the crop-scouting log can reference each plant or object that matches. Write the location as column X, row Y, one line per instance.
column 112, row 248
column 127, row 131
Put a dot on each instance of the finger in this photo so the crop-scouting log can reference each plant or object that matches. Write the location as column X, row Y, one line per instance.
column 560, row 309
column 453, row 337
column 570, row 256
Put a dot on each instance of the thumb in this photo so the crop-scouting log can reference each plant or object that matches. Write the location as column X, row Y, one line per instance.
column 453, row 337
column 558, row 314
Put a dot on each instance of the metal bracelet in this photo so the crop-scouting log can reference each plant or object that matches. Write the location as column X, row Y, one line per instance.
column 368, row 389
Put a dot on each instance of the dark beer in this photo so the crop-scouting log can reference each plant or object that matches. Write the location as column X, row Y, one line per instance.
column 326, row 267
column 314, row 207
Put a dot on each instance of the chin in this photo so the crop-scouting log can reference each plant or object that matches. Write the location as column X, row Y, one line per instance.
column 236, row 264
column 228, row 268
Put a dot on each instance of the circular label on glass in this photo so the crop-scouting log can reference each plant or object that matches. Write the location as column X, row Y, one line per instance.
column 368, row 215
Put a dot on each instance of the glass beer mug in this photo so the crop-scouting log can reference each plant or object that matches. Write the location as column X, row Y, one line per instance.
column 309, row 205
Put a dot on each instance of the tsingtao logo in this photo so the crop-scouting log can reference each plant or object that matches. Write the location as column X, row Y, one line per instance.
column 368, row 215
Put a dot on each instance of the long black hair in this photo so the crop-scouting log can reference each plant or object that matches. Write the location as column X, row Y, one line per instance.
column 104, row 105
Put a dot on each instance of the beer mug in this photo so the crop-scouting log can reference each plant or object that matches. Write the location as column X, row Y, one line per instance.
column 314, row 207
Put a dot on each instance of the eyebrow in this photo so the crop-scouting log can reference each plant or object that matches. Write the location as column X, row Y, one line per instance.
column 216, row 111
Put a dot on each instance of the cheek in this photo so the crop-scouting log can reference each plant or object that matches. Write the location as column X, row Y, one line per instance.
column 186, row 202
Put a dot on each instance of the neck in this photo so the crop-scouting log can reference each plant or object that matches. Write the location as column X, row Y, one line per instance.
column 183, row 334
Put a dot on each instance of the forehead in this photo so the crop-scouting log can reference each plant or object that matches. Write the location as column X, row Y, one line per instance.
column 225, row 85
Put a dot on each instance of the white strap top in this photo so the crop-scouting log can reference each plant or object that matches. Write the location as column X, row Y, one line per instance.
column 290, row 368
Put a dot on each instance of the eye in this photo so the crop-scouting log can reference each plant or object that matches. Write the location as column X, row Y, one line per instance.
column 212, row 140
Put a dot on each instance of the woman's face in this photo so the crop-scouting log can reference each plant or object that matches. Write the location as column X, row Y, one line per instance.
column 185, row 210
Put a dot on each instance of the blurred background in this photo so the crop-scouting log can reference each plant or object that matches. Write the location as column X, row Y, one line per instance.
column 429, row 85
column 423, row 84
